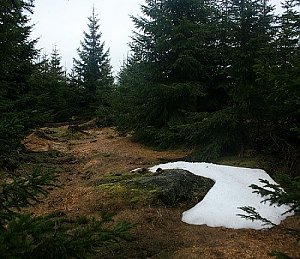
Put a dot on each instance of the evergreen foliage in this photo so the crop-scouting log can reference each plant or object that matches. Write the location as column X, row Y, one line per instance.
column 92, row 71
column 50, row 85
column 50, row 236
column 252, row 215
column 17, row 50
column 280, row 255
column 32, row 93
column 218, row 75
column 55, row 64
column 287, row 192
column 21, row 191
column 16, row 56
column 55, row 236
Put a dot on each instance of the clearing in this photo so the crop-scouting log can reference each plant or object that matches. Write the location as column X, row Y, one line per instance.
column 91, row 164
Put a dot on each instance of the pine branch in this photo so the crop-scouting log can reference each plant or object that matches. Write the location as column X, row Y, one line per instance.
column 20, row 192
column 55, row 236
column 253, row 215
column 275, row 194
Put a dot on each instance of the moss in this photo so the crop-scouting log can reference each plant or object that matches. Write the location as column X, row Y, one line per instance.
column 168, row 188
column 130, row 195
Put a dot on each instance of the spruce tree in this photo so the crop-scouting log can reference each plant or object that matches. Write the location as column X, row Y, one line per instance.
column 284, row 78
column 25, row 236
column 174, row 35
column 16, row 55
column 179, row 56
column 251, row 40
column 50, row 89
column 285, row 71
column 17, row 49
column 92, row 70
column 174, row 48
column 55, row 63
column 202, row 65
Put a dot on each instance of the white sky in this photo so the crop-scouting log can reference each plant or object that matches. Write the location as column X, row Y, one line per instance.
column 62, row 22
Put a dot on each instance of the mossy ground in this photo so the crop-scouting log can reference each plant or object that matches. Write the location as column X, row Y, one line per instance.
column 121, row 187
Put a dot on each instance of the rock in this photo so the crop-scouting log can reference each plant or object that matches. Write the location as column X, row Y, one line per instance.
column 175, row 186
column 159, row 170
column 143, row 171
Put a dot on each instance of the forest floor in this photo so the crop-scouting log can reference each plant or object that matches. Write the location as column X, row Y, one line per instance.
column 86, row 159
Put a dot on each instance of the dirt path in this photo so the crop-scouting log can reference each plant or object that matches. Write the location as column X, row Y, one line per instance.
column 87, row 157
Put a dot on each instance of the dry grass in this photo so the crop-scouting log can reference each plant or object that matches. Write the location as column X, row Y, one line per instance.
column 159, row 232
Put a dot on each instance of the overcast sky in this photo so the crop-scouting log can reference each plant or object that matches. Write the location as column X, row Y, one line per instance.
column 62, row 22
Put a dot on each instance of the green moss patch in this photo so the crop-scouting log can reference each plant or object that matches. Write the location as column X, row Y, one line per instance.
column 169, row 187
column 120, row 187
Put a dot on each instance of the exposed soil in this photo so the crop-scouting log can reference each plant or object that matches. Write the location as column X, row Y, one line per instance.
column 84, row 158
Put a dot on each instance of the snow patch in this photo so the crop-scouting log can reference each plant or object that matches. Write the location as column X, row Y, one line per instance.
column 219, row 208
column 136, row 170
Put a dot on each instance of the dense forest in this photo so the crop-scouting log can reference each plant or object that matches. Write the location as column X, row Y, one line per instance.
column 220, row 77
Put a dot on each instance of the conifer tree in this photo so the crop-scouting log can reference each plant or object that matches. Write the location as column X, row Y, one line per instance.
column 17, row 49
column 16, row 55
column 50, row 89
column 251, row 40
column 55, row 63
column 26, row 236
column 179, row 55
column 92, row 70
column 283, row 76
column 176, row 53
column 202, row 66
column 175, row 36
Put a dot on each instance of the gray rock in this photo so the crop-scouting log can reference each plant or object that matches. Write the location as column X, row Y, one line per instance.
column 175, row 186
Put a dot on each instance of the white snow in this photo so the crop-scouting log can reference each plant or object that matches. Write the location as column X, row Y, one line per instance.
column 231, row 190
column 136, row 170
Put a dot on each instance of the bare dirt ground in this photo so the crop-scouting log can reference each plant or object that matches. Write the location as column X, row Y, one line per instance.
column 89, row 156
